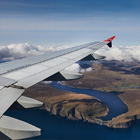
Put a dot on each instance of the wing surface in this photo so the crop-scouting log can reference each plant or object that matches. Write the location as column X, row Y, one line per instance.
column 16, row 76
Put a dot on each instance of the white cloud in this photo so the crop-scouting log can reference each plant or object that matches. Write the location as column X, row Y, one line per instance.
column 86, row 70
column 127, row 54
column 82, row 70
column 47, row 82
column 89, row 69
column 15, row 51
column 75, row 67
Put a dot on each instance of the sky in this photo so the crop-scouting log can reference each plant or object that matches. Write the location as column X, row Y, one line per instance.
column 69, row 22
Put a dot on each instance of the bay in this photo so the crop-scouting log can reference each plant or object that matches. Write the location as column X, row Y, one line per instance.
column 113, row 102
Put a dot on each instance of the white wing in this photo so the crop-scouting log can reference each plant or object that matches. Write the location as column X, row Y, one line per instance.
column 16, row 76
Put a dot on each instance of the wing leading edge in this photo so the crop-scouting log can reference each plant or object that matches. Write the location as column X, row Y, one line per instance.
column 17, row 76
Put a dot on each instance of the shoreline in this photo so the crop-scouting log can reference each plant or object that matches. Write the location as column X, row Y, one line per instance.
column 109, row 123
column 106, row 98
column 98, row 121
column 46, row 92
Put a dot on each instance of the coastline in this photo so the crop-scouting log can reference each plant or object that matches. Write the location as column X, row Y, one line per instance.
column 98, row 121
column 130, row 97
column 45, row 96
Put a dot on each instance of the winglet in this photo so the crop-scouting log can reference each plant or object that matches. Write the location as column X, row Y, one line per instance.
column 109, row 41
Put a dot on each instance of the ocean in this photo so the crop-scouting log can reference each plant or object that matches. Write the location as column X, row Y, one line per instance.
column 55, row 127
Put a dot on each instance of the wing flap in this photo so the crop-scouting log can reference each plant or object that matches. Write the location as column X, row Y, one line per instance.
column 16, row 129
column 6, row 81
column 7, row 97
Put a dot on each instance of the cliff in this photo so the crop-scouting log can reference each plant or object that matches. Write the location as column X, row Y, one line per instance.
column 77, row 106
column 67, row 104
column 105, row 77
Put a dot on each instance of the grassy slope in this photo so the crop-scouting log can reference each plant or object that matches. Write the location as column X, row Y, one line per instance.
column 102, row 78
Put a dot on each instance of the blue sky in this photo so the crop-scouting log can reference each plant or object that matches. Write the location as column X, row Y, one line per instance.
column 69, row 22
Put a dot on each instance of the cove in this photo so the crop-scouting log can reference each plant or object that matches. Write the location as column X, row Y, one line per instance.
column 113, row 102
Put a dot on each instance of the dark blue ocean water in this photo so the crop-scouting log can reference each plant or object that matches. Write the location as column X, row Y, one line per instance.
column 54, row 127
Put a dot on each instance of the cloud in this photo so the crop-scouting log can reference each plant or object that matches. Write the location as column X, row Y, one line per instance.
column 127, row 54
column 15, row 51
column 86, row 70
column 75, row 67
column 47, row 82
column 89, row 69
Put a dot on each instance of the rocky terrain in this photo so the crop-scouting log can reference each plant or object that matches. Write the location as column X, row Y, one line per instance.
column 121, row 78
column 67, row 104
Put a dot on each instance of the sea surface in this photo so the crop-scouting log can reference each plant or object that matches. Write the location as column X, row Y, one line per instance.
column 55, row 127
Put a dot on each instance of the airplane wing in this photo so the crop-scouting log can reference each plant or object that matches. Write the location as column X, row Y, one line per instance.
column 16, row 76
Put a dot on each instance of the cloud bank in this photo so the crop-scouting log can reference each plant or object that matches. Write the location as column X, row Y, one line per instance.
column 127, row 54
column 15, row 51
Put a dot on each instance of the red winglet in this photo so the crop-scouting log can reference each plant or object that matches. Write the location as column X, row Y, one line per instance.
column 110, row 39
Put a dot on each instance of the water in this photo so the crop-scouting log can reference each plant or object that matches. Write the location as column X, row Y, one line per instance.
column 113, row 102
column 54, row 127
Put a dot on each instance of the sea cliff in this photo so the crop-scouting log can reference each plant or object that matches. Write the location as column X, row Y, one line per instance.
column 77, row 106
column 75, row 114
